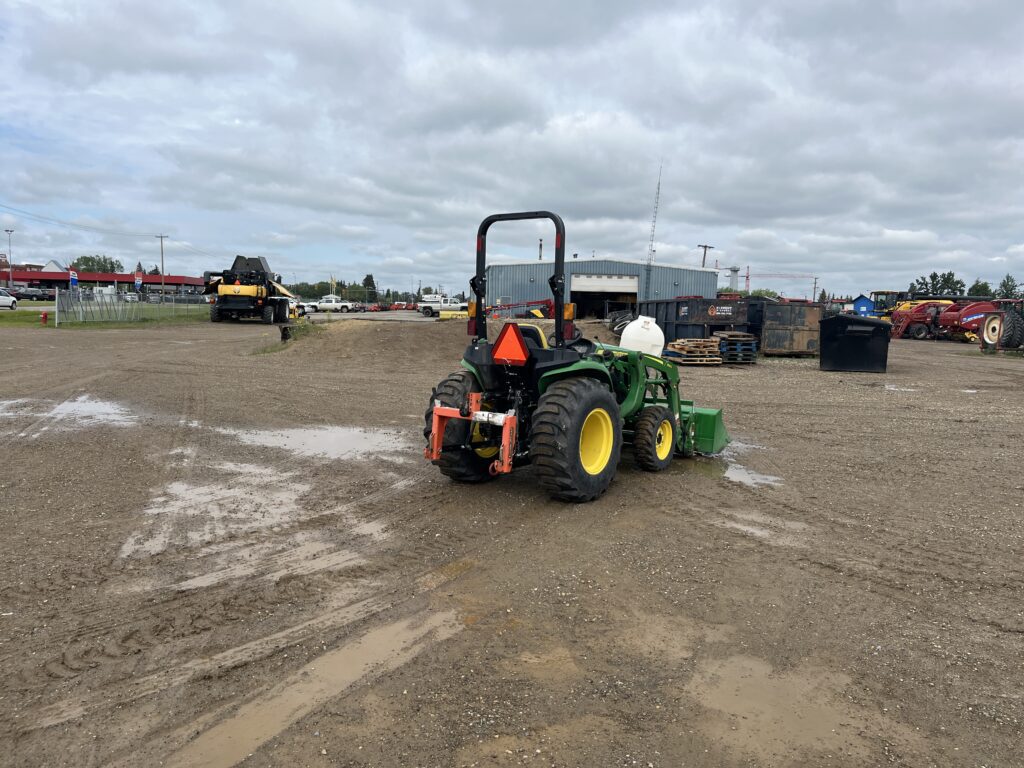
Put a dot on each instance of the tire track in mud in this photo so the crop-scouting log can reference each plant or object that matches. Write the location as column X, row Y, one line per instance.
column 343, row 613
column 172, row 621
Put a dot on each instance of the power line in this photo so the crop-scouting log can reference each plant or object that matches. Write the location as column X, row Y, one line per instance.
column 73, row 225
column 101, row 230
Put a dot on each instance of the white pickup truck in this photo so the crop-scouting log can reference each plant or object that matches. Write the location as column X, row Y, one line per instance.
column 433, row 305
column 333, row 304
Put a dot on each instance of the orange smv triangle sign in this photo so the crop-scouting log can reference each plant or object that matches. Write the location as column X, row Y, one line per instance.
column 510, row 348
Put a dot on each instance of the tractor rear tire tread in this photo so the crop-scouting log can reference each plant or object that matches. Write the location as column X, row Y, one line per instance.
column 555, row 428
column 645, row 438
column 1013, row 330
column 268, row 314
column 463, row 466
column 215, row 316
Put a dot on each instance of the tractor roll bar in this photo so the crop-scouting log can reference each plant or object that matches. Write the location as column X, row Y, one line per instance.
column 556, row 281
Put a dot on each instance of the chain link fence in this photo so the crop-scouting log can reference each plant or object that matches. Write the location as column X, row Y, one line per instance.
column 80, row 305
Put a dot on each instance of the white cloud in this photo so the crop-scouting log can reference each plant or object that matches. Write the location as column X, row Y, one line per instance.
column 867, row 148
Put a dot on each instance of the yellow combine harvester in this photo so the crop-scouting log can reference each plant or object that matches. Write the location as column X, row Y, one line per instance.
column 248, row 289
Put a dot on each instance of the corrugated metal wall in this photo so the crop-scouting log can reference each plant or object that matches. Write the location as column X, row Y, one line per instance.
column 529, row 281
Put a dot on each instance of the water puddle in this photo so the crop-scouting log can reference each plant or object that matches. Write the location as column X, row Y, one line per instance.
column 81, row 412
column 740, row 474
column 894, row 388
column 737, row 473
column 330, row 442
column 378, row 652
column 969, row 391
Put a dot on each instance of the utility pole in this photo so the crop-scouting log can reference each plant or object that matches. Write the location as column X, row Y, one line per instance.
column 540, row 250
column 10, row 260
column 161, row 239
column 814, row 290
column 704, row 258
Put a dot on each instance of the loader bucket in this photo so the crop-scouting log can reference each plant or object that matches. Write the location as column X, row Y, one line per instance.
column 710, row 435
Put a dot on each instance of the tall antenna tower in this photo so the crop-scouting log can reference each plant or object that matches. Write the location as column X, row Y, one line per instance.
column 650, row 245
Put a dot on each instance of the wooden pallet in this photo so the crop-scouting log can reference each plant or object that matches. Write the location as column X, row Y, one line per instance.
column 735, row 336
column 695, row 346
column 696, row 360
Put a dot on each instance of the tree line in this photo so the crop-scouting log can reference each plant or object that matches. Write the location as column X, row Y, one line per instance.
column 948, row 284
column 99, row 263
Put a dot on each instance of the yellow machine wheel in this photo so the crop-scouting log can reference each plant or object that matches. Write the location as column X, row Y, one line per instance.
column 655, row 436
column 576, row 439
column 596, row 441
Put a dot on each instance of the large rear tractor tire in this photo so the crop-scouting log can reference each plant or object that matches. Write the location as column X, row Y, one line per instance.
column 464, row 465
column 991, row 330
column 576, row 439
column 268, row 314
column 919, row 331
column 215, row 316
column 654, row 438
column 1013, row 330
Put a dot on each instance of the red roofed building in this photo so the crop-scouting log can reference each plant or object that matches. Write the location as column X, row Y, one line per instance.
column 123, row 280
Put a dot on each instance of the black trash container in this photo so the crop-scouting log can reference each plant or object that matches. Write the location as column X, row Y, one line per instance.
column 854, row 343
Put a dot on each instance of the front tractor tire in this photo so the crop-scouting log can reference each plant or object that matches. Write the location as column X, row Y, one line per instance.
column 576, row 439
column 654, row 438
column 268, row 313
column 464, row 465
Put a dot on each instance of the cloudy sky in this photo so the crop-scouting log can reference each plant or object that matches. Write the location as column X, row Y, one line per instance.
column 865, row 143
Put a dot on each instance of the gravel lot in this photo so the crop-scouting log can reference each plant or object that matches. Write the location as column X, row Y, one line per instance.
column 215, row 555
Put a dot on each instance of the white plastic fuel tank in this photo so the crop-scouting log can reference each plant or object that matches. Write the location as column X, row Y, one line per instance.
column 643, row 335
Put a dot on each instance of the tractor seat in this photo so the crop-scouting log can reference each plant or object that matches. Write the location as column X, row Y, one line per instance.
column 531, row 333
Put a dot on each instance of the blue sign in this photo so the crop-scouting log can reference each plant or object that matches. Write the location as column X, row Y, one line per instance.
column 73, row 276
column 138, row 282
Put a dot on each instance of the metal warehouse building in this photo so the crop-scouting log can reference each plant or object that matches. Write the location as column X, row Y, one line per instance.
column 592, row 282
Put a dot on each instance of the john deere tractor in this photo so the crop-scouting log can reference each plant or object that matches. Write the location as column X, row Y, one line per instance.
column 248, row 289
column 564, row 404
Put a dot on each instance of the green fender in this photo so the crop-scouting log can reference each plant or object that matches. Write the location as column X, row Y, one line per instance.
column 472, row 369
column 588, row 368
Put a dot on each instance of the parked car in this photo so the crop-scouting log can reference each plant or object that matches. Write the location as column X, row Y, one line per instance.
column 435, row 304
column 7, row 301
column 335, row 304
column 26, row 294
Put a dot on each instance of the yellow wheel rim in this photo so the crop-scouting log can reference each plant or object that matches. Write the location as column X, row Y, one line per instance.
column 663, row 441
column 596, row 441
column 488, row 452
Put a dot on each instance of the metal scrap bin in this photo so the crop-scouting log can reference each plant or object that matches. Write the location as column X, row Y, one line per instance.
column 695, row 317
column 854, row 343
column 790, row 329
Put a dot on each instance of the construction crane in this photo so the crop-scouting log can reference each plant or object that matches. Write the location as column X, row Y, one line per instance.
column 784, row 276
column 648, row 265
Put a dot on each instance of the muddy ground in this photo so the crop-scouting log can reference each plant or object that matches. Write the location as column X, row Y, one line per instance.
column 213, row 556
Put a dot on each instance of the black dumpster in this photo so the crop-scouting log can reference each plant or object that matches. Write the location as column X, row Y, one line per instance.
column 853, row 343
column 694, row 317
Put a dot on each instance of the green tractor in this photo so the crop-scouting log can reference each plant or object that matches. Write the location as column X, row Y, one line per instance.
column 564, row 404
